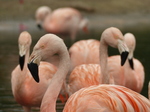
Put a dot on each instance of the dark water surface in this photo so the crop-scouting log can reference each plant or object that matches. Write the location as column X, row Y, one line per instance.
column 9, row 33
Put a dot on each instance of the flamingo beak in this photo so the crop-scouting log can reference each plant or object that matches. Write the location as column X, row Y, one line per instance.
column 39, row 26
column 33, row 66
column 124, row 51
column 131, row 63
column 21, row 61
column 22, row 52
column 124, row 56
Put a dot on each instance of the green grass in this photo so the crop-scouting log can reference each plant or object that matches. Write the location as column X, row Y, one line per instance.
column 12, row 9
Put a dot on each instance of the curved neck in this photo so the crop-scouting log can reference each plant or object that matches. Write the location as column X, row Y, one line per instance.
column 25, row 68
column 103, row 62
column 27, row 57
column 50, row 97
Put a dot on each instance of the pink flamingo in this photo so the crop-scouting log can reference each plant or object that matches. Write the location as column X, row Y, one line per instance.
column 26, row 91
column 90, row 74
column 65, row 21
column 107, row 98
column 41, row 13
column 81, row 52
column 133, row 67
column 112, row 98
column 87, row 74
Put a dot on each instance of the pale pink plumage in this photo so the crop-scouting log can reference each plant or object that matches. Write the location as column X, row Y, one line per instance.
column 84, row 52
column 134, row 76
column 107, row 98
column 122, row 75
column 47, row 46
column 65, row 21
column 26, row 91
column 102, row 98
column 91, row 74
column 84, row 75
column 41, row 13
column 81, row 52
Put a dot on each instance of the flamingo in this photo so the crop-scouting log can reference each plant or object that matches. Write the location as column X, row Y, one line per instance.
column 133, row 67
column 81, row 52
column 89, row 74
column 84, row 52
column 41, row 13
column 25, row 90
column 65, row 21
column 108, row 98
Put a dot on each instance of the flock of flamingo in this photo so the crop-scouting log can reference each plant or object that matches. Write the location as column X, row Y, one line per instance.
column 93, row 81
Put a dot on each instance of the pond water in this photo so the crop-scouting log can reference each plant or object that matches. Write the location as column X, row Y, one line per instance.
column 9, row 32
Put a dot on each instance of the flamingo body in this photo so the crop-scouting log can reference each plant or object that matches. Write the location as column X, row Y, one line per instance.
column 26, row 91
column 107, row 98
column 135, row 70
column 122, row 75
column 84, row 52
column 136, row 79
column 84, row 75
column 65, row 21
column 92, row 74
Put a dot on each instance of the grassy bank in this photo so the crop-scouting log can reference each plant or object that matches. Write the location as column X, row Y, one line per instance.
column 12, row 9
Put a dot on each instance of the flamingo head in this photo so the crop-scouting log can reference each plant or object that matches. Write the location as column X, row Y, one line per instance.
column 47, row 46
column 114, row 38
column 40, row 15
column 131, row 43
column 24, row 42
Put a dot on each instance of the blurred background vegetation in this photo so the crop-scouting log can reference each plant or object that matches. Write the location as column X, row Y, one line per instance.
column 25, row 9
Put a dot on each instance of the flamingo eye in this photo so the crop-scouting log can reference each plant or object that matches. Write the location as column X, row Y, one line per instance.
column 42, row 46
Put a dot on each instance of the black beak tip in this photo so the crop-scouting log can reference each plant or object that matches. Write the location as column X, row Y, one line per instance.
column 124, row 56
column 131, row 63
column 39, row 26
column 33, row 68
column 21, row 62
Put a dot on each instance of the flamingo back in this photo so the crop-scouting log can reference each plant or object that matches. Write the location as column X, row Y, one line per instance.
column 84, row 76
column 62, row 20
column 84, row 52
column 107, row 98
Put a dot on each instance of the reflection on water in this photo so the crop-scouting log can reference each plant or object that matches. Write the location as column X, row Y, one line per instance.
column 9, row 59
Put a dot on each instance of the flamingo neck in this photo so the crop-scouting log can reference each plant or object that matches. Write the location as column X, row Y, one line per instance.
column 50, row 97
column 24, row 73
column 25, row 68
column 103, row 62
column 26, row 58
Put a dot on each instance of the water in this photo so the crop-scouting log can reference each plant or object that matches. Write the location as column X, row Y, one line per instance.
column 9, row 32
